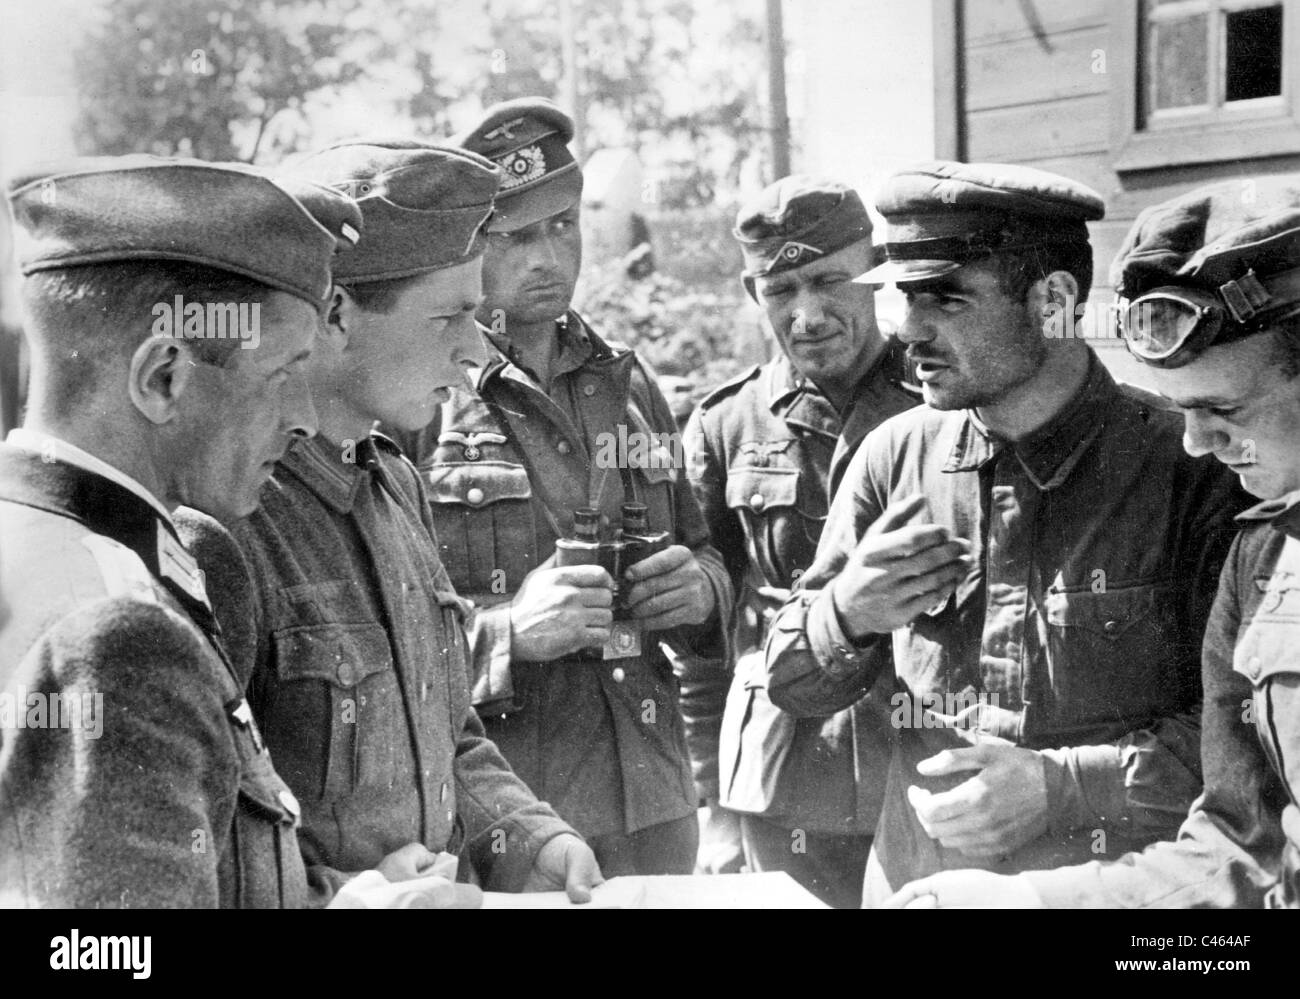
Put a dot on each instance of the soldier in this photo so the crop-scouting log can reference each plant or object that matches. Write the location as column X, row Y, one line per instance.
column 1212, row 280
column 1032, row 554
column 560, row 420
column 357, row 649
column 761, row 450
column 131, row 771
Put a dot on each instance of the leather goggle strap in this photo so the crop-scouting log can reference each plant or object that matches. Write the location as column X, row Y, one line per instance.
column 1240, row 308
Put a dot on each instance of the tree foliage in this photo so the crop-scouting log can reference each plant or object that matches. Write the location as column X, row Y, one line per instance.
column 206, row 78
column 253, row 79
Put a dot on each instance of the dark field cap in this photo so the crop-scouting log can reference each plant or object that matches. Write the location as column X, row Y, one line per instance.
column 529, row 140
column 424, row 205
column 1214, row 265
column 943, row 215
column 228, row 216
column 1211, row 236
column 797, row 220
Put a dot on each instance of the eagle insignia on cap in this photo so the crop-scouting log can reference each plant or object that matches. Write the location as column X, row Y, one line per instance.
column 522, row 166
column 796, row 253
column 504, row 130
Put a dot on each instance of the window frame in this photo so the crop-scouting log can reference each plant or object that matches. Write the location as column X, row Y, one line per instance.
column 1204, row 133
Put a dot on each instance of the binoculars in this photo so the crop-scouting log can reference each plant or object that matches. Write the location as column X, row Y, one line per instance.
column 635, row 542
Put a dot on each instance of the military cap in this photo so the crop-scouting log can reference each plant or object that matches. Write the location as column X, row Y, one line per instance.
column 1216, row 264
column 227, row 216
column 1213, row 235
column 424, row 204
column 528, row 139
column 795, row 221
column 943, row 215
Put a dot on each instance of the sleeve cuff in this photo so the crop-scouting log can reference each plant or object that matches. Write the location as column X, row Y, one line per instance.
column 836, row 654
column 506, row 862
column 1085, row 785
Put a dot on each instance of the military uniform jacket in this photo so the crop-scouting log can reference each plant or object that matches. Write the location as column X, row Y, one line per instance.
column 359, row 674
column 760, row 452
column 160, row 794
column 1240, row 845
column 1097, row 544
column 505, row 468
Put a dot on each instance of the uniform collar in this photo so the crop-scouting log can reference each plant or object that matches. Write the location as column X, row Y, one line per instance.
column 798, row 399
column 578, row 343
column 321, row 466
column 1050, row 453
column 52, row 448
column 580, row 347
column 1282, row 513
column 106, row 505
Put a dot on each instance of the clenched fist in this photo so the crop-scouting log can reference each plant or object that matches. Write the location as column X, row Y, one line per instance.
column 897, row 572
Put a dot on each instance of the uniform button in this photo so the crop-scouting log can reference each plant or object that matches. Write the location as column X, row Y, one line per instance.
column 757, row 501
column 475, row 496
column 290, row 803
column 1253, row 667
column 618, row 674
column 1110, row 627
column 589, row 389
column 347, row 674
column 563, row 447
column 442, row 794
column 451, row 816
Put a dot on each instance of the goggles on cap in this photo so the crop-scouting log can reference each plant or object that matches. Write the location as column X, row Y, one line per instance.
column 1168, row 326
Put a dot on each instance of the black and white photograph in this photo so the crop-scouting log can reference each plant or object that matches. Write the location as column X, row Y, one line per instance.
column 650, row 454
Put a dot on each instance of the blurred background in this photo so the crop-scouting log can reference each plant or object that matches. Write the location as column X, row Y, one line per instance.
column 682, row 110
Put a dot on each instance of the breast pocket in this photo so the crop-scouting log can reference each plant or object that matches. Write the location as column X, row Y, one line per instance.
column 1114, row 655
column 782, row 533
column 483, row 517
column 337, row 708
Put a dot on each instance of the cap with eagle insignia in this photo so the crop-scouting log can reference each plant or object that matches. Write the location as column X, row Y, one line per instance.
column 228, row 216
column 528, row 139
column 795, row 221
column 943, row 215
column 424, row 204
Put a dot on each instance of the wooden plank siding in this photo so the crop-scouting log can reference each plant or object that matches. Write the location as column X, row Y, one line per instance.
column 1031, row 96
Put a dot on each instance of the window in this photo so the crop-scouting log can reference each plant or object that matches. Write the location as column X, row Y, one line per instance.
column 1208, row 57
column 1216, row 80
